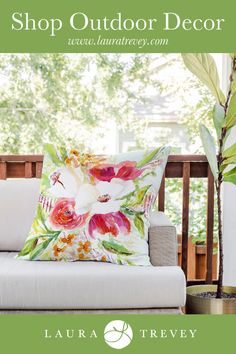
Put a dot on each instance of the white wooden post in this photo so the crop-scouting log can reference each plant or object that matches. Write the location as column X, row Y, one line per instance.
column 229, row 209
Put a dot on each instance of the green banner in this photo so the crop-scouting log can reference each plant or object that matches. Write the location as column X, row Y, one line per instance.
column 103, row 334
column 87, row 26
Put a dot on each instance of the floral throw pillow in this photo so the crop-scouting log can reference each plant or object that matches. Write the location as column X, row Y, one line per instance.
column 94, row 207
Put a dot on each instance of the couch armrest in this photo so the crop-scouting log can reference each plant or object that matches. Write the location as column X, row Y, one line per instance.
column 162, row 241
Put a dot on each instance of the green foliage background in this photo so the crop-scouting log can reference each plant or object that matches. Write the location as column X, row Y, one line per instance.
column 71, row 98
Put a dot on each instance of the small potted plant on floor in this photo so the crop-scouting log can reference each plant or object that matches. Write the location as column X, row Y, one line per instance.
column 216, row 299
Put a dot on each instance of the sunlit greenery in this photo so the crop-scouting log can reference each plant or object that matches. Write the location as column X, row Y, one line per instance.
column 74, row 98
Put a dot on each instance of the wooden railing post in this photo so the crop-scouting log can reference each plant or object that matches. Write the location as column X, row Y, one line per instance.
column 28, row 170
column 185, row 216
column 3, row 170
column 161, row 195
column 39, row 166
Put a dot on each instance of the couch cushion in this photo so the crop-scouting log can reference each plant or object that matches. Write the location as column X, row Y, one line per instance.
column 17, row 209
column 87, row 285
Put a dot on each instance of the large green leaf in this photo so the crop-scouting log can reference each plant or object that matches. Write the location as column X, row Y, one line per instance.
column 230, row 173
column 230, row 179
column 230, row 152
column 112, row 246
column 40, row 248
column 138, row 222
column 41, row 218
column 203, row 66
column 210, row 150
column 233, row 84
column 227, row 162
column 230, row 119
column 148, row 158
column 29, row 246
column 218, row 118
column 129, row 211
column 51, row 151
column 140, row 194
column 226, row 136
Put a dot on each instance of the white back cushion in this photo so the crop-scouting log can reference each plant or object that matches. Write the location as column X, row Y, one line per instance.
column 18, row 202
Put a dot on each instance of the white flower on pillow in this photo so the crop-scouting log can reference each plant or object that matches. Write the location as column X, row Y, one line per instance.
column 101, row 202
column 102, row 198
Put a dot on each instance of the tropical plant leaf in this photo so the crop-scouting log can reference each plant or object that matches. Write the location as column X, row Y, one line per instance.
column 203, row 66
column 40, row 248
column 230, row 119
column 112, row 246
column 230, row 173
column 210, row 150
column 230, row 179
column 148, row 158
column 218, row 118
column 138, row 222
column 230, row 161
column 230, row 152
column 233, row 84
column 226, row 135
column 140, row 194
column 51, row 151
column 28, row 247
column 227, row 162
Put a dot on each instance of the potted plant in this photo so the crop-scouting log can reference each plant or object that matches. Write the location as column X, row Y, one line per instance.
column 216, row 299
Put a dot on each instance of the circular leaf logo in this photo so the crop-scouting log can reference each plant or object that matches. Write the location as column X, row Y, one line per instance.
column 118, row 334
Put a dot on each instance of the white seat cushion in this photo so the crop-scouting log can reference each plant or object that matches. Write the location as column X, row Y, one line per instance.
column 87, row 285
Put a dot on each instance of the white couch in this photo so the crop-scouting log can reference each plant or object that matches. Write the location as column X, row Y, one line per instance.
column 82, row 286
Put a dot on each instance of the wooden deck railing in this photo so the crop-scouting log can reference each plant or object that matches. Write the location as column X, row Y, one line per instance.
column 178, row 166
